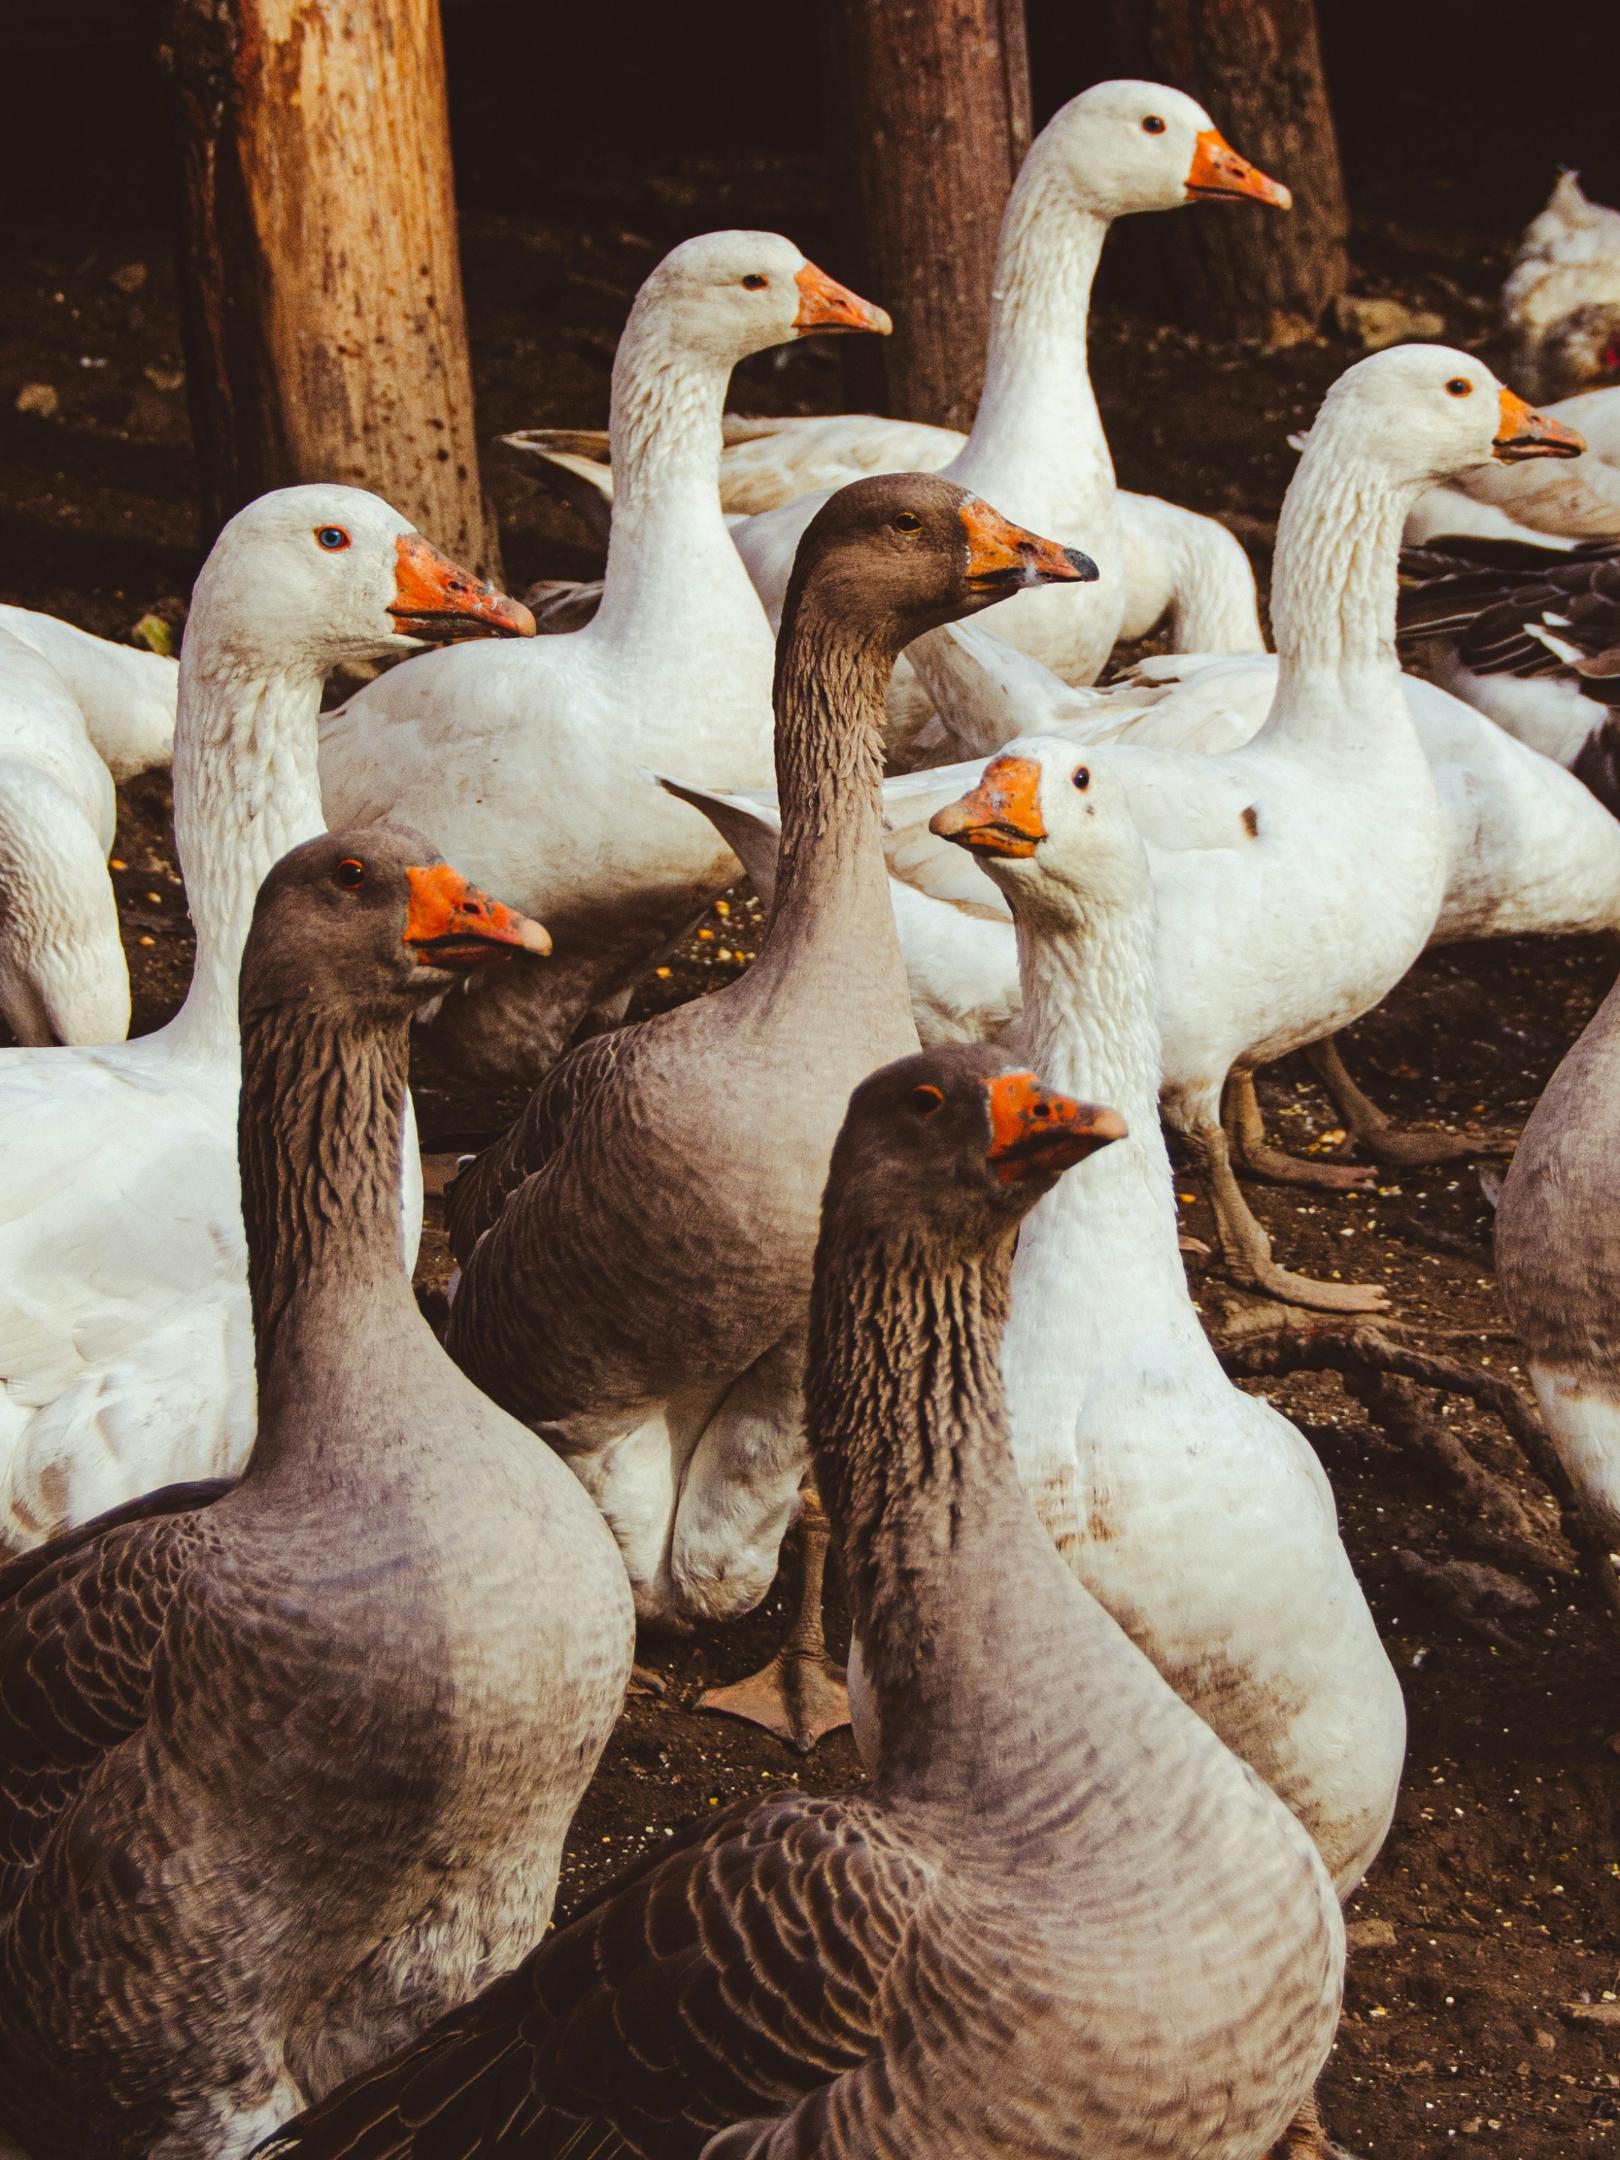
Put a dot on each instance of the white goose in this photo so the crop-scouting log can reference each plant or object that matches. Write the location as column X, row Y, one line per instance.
column 1037, row 444
column 125, row 1345
column 63, row 977
column 530, row 767
column 1561, row 302
column 1323, row 897
column 1549, row 506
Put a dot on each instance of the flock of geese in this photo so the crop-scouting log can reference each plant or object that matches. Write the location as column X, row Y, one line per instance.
column 309, row 1648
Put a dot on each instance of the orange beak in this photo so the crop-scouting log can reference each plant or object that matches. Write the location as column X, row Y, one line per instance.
column 826, row 305
column 1523, row 433
column 1003, row 556
column 1218, row 174
column 1033, row 1128
column 451, row 924
column 1001, row 816
column 435, row 598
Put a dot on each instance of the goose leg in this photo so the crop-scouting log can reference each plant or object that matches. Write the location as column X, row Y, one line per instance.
column 1307, row 2139
column 1246, row 1248
column 1246, row 1131
column 800, row 1694
column 1410, row 1145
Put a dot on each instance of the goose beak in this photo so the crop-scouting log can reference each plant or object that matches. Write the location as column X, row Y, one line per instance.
column 826, row 305
column 451, row 924
column 1001, row 816
column 1523, row 433
column 1003, row 556
column 435, row 599
column 1033, row 1128
column 1218, row 174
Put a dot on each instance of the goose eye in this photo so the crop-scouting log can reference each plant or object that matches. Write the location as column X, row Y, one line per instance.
column 1152, row 125
column 1459, row 386
column 906, row 521
column 754, row 281
column 331, row 537
column 1082, row 777
column 350, row 872
column 925, row 1100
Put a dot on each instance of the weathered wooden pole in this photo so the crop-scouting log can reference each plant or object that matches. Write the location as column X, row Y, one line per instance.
column 1257, row 65
column 326, row 337
column 937, row 121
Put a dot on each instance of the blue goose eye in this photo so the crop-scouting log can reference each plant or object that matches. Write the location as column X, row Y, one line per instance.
column 1082, row 777
column 331, row 537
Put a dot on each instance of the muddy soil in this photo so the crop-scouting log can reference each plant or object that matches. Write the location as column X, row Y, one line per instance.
column 1484, row 1994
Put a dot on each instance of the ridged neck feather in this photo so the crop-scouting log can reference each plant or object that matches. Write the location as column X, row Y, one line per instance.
column 1037, row 427
column 246, row 789
column 319, row 1143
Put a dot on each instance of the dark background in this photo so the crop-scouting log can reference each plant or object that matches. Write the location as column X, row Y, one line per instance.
column 1471, row 108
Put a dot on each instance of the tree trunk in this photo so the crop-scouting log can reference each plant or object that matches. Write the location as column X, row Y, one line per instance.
column 1257, row 66
column 936, row 121
column 325, row 332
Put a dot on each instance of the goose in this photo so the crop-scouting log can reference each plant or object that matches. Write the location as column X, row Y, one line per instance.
column 1561, row 302
column 1061, row 1918
column 635, row 1253
column 1037, row 443
column 1125, row 1430
column 1320, row 900
column 63, row 977
column 1556, row 1263
column 125, row 697
column 490, row 749
column 301, row 1783
column 1549, row 506
column 125, row 1348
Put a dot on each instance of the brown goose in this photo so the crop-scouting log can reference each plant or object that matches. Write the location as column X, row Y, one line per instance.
column 1063, row 1919
column 285, row 1767
column 636, row 1252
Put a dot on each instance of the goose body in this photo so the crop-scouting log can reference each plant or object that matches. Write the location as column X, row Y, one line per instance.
column 1037, row 443
column 127, row 1355
column 126, row 698
column 1558, row 1266
column 1061, row 1918
column 636, row 1253
column 304, row 1781
column 489, row 748
column 1125, row 1429
column 63, row 978
column 1561, row 302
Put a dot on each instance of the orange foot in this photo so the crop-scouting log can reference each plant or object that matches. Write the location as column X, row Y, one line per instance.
column 1306, row 2139
column 798, row 1696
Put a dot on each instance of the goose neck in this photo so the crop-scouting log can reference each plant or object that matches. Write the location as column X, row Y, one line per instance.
column 965, row 1615
column 1099, row 1257
column 832, row 882
column 246, row 789
column 1338, row 547
column 319, row 1136
column 668, row 548
column 1037, row 425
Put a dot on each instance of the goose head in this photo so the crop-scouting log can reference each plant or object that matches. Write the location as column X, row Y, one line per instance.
column 1052, row 826
column 725, row 295
column 906, row 552
column 956, row 1141
column 372, row 920
column 1126, row 146
column 324, row 574
column 1421, row 413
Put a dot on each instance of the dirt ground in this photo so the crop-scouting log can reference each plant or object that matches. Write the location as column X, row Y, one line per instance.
column 1484, row 1991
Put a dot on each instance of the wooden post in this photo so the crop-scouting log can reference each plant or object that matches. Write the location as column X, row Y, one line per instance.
column 1257, row 65
column 325, row 333
column 937, row 116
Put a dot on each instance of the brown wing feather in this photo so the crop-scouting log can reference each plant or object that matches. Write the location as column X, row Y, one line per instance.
column 475, row 1197
column 718, row 1986
column 80, row 1619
